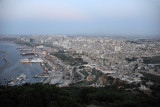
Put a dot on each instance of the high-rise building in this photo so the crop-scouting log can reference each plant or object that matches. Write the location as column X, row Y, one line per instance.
column 32, row 40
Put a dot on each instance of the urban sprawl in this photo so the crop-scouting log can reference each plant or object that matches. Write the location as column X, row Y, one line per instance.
column 91, row 61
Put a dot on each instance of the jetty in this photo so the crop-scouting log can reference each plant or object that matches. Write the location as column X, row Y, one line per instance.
column 5, row 58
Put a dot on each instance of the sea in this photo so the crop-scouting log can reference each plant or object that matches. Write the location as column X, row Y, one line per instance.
column 15, row 67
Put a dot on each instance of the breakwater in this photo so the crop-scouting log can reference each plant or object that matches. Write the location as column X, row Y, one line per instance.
column 5, row 58
column 14, row 67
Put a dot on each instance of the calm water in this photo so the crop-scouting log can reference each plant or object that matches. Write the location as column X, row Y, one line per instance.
column 15, row 68
column 2, row 58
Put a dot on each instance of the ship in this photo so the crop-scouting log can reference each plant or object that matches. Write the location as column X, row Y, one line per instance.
column 30, row 53
column 36, row 60
column 31, row 60
column 26, row 60
column 19, row 80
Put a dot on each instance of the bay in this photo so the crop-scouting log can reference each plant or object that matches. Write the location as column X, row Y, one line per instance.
column 2, row 62
column 15, row 68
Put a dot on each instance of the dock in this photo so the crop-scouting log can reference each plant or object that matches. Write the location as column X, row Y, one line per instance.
column 31, row 60
column 42, row 75
column 18, row 80
column 5, row 58
column 27, row 53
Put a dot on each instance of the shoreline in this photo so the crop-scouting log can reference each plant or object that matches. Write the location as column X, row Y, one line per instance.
column 5, row 59
column 17, row 69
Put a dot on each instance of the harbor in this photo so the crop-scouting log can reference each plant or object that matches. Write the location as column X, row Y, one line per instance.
column 18, row 80
column 28, row 58
column 13, row 67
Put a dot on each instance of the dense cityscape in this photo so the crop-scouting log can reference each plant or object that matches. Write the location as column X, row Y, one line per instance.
column 75, row 53
column 84, row 61
column 88, row 61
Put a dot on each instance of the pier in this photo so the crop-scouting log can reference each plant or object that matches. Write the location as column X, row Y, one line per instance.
column 27, row 53
column 42, row 75
column 31, row 60
column 5, row 58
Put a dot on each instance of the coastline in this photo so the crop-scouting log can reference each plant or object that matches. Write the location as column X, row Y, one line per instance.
column 12, row 66
column 5, row 58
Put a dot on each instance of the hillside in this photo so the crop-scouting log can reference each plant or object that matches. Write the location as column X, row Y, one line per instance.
column 38, row 95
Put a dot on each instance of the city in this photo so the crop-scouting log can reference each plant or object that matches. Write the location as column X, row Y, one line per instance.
column 79, row 53
column 88, row 61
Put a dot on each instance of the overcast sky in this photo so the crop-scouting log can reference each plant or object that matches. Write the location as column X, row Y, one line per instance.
column 131, row 17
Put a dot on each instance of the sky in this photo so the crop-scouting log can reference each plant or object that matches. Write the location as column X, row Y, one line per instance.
column 121, row 17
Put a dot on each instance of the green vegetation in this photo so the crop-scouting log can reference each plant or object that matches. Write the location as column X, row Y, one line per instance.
column 82, row 84
column 151, row 60
column 157, row 68
column 38, row 95
column 156, row 80
column 84, row 73
column 130, row 59
column 69, row 59
column 151, row 77
column 81, row 67
column 25, row 43
column 95, row 73
column 77, row 76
